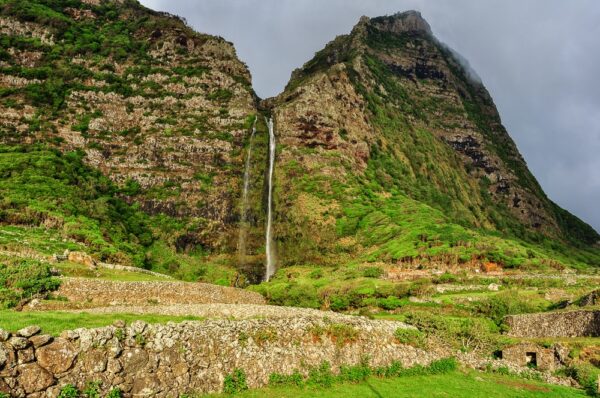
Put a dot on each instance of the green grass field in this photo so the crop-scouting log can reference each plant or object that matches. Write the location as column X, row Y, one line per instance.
column 54, row 322
column 455, row 384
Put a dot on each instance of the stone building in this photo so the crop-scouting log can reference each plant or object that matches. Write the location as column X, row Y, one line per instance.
column 531, row 354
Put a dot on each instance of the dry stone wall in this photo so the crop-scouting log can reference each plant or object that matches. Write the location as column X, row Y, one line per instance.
column 100, row 293
column 173, row 359
column 555, row 324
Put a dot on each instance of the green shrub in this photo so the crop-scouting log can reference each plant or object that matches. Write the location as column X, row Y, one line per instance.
column 316, row 274
column 221, row 95
column 342, row 334
column 339, row 303
column 321, row 376
column 24, row 278
column 586, row 375
column 372, row 272
column 235, row 382
column 412, row 337
column 502, row 304
column 295, row 379
column 92, row 390
column 354, row 374
column 466, row 334
column 390, row 303
column 444, row 365
column 447, row 277
column 290, row 294
column 69, row 391
column 115, row 393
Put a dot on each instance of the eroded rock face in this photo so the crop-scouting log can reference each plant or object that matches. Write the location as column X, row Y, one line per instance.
column 404, row 22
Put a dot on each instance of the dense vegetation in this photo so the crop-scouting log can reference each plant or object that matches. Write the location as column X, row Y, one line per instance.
column 45, row 188
column 22, row 279
column 53, row 201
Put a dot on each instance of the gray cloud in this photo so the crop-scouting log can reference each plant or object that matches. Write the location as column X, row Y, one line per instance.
column 539, row 59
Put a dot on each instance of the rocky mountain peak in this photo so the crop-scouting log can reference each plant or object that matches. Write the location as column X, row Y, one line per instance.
column 401, row 22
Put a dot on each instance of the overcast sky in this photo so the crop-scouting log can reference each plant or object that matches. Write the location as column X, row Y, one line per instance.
column 540, row 59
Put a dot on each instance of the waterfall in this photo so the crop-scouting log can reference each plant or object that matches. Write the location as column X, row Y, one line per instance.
column 243, row 232
column 269, row 238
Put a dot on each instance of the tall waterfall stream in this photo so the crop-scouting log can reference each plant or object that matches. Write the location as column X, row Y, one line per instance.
column 269, row 234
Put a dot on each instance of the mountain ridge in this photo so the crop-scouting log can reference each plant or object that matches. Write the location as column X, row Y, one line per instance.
column 388, row 149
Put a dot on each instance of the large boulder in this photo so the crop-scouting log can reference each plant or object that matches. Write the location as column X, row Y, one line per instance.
column 56, row 357
column 34, row 378
column 82, row 258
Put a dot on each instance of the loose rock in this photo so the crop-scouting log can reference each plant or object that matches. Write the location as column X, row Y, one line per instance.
column 29, row 331
column 40, row 340
column 18, row 343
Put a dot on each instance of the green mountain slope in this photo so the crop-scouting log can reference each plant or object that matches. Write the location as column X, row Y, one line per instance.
column 392, row 149
column 122, row 134
column 153, row 104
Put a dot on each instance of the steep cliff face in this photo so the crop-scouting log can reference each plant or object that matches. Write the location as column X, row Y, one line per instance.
column 388, row 118
column 160, row 109
column 124, row 133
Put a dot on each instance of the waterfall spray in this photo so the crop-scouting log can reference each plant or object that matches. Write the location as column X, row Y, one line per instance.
column 269, row 238
column 243, row 231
